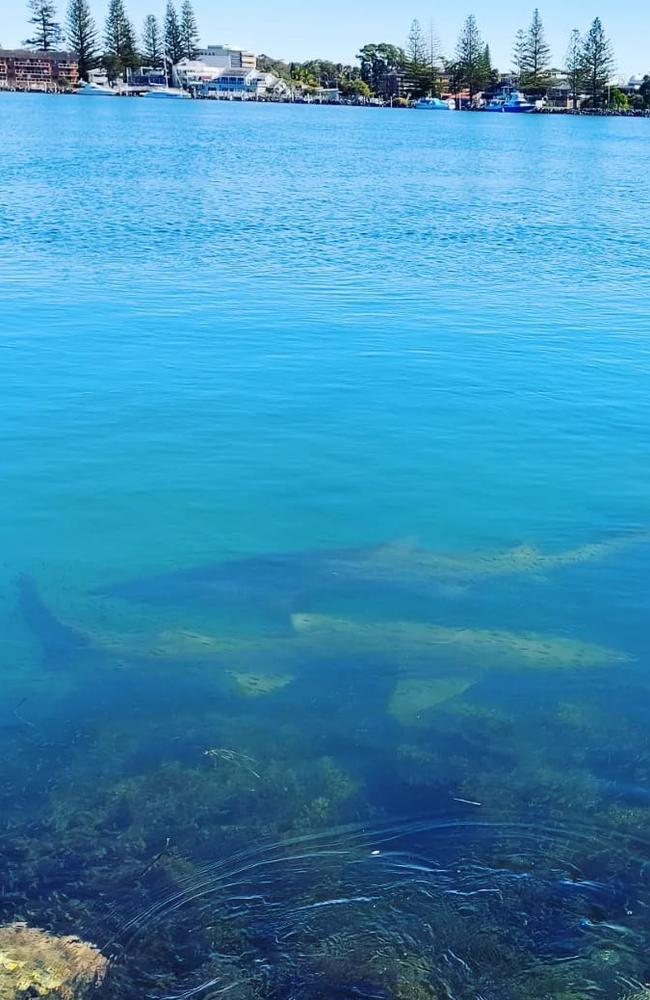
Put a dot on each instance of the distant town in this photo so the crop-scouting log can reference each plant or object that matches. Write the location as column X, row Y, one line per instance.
column 166, row 59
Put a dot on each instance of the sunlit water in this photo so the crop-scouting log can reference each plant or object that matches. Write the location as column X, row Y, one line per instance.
column 324, row 581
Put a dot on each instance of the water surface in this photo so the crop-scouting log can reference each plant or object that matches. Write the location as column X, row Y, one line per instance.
column 327, row 501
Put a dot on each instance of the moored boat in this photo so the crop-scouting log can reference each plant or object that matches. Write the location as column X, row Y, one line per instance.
column 431, row 104
column 166, row 92
column 96, row 90
column 516, row 103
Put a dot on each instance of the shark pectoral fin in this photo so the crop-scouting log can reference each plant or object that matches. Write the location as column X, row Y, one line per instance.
column 412, row 697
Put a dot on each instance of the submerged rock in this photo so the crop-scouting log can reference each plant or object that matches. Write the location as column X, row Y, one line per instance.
column 35, row 963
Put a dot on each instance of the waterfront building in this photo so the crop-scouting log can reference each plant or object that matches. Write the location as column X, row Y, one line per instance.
column 242, row 84
column 228, row 56
column 270, row 85
column 24, row 69
column 237, row 58
column 192, row 73
column 98, row 77
column 326, row 95
column 232, row 83
column 148, row 76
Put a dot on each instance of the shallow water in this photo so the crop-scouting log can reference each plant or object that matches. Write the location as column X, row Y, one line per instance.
column 327, row 501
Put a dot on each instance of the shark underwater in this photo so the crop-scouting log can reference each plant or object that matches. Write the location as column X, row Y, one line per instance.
column 428, row 664
column 60, row 644
column 287, row 580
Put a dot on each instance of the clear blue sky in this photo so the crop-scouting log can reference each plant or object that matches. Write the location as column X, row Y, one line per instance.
column 293, row 29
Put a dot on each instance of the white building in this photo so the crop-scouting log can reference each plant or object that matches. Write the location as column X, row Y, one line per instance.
column 190, row 73
column 270, row 85
column 243, row 84
column 229, row 56
column 211, row 76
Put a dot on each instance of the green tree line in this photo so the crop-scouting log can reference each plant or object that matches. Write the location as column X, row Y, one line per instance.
column 117, row 48
column 383, row 68
column 418, row 67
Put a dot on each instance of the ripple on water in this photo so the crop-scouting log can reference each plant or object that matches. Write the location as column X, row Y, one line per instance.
column 426, row 908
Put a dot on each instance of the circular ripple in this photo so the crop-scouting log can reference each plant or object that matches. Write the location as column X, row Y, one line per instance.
column 431, row 908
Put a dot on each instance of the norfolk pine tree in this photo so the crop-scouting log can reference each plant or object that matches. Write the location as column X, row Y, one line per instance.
column 536, row 54
column 119, row 40
column 172, row 32
column 188, row 30
column 47, row 30
column 152, row 48
column 573, row 67
column 82, row 36
column 597, row 62
column 470, row 56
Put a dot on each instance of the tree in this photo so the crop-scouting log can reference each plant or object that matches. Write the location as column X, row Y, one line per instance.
column 47, row 30
column 303, row 76
column 619, row 100
column 536, row 54
column 433, row 62
column 266, row 64
column 152, row 51
column 380, row 60
column 455, row 77
column 573, row 66
column 417, row 60
column 470, row 51
column 491, row 75
column 597, row 62
column 644, row 91
column 173, row 40
column 519, row 55
column 355, row 88
column 119, row 41
column 82, row 36
column 188, row 30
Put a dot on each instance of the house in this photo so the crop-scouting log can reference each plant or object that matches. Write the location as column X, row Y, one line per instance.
column 232, row 83
column 148, row 76
column 193, row 73
column 23, row 69
column 271, row 86
column 205, row 79
column 326, row 95
column 244, row 84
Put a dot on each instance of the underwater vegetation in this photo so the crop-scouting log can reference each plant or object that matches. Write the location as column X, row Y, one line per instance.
column 180, row 806
column 34, row 963
column 427, row 908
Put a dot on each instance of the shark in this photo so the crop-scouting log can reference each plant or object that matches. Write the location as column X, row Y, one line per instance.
column 288, row 579
column 60, row 644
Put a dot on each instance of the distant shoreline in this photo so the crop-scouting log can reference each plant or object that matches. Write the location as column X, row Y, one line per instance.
column 593, row 113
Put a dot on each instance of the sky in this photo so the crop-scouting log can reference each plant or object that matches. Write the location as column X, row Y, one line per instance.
column 296, row 30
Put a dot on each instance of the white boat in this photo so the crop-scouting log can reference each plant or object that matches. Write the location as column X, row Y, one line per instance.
column 167, row 92
column 431, row 104
column 96, row 90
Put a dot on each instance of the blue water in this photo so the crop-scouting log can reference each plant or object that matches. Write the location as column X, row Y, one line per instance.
column 388, row 349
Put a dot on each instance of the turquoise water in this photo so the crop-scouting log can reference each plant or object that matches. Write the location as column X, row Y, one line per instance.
column 275, row 379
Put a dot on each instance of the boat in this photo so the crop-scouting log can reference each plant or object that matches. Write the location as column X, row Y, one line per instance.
column 96, row 90
column 157, row 90
column 431, row 104
column 515, row 104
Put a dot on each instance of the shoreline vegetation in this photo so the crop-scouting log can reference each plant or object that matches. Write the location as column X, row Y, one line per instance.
column 554, row 112
column 168, row 52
